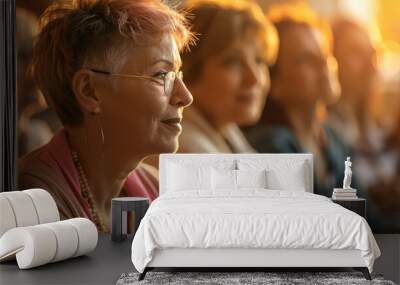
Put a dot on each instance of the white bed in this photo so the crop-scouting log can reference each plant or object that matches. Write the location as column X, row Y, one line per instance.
column 198, row 223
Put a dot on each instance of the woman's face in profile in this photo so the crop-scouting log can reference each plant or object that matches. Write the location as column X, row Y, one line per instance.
column 357, row 61
column 302, row 75
column 138, row 116
column 233, row 85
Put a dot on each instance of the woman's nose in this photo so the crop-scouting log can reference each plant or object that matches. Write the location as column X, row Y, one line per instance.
column 250, row 74
column 372, row 61
column 181, row 95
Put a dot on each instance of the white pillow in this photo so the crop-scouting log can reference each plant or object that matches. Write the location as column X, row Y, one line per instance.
column 285, row 174
column 290, row 179
column 223, row 179
column 183, row 178
column 251, row 178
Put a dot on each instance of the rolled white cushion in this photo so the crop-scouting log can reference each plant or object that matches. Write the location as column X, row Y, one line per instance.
column 23, row 208
column 40, row 244
column 87, row 235
column 66, row 237
column 7, row 218
column 34, row 245
column 26, row 208
column 45, row 205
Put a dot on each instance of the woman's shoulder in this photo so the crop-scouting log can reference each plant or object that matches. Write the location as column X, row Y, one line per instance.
column 41, row 169
column 274, row 139
column 48, row 158
column 198, row 134
column 36, row 163
column 195, row 138
column 36, row 174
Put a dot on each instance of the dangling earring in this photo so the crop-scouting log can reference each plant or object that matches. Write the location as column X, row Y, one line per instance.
column 102, row 134
column 94, row 113
column 102, row 138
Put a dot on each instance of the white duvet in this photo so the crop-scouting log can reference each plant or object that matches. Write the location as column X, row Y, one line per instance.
column 250, row 219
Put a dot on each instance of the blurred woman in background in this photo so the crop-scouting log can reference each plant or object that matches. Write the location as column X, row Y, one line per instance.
column 111, row 70
column 384, row 194
column 358, row 118
column 227, row 74
column 357, row 114
column 33, row 130
column 301, row 87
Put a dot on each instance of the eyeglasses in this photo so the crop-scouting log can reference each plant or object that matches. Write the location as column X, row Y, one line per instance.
column 167, row 78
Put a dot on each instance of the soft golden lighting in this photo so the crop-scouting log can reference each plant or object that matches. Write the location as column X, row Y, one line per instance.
column 301, row 12
column 271, row 34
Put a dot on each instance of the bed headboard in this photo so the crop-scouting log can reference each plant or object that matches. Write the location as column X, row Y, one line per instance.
column 196, row 159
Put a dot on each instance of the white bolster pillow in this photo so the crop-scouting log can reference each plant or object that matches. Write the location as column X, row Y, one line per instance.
column 33, row 246
column 24, row 211
column 67, row 239
column 45, row 205
column 87, row 235
column 26, row 208
column 7, row 218
column 40, row 244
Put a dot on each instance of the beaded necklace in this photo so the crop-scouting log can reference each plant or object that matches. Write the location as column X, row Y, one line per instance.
column 87, row 194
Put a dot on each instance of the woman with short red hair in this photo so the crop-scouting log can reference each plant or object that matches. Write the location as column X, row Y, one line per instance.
column 227, row 73
column 111, row 70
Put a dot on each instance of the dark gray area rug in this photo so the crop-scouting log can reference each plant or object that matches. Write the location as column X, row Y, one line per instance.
column 243, row 278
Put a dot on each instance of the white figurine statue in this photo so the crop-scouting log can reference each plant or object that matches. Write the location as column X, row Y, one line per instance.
column 347, row 174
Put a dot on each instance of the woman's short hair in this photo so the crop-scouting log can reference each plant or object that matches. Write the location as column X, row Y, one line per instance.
column 75, row 32
column 217, row 24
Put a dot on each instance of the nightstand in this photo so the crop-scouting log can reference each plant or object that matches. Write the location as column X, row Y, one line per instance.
column 120, row 207
column 357, row 205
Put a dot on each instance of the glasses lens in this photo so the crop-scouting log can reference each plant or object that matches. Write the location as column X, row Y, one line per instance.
column 169, row 82
column 179, row 74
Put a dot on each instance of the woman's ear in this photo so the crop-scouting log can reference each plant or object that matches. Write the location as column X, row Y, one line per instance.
column 83, row 87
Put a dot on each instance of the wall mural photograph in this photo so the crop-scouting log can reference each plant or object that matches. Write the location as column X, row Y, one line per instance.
column 106, row 91
column 345, row 106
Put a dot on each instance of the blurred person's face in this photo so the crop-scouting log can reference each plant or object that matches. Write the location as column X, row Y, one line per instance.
column 356, row 59
column 138, row 117
column 232, row 86
column 302, row 77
